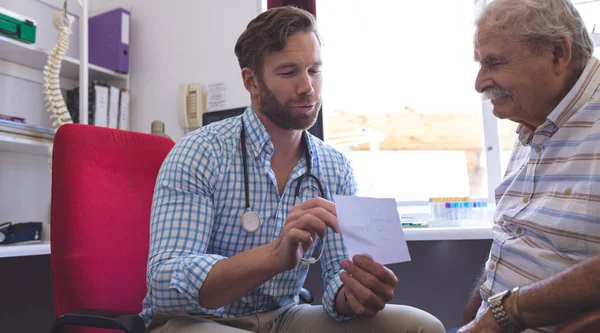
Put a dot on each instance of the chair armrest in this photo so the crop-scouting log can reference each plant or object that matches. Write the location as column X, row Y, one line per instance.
column 99, row 318
column 583, row 323
column 306, row 296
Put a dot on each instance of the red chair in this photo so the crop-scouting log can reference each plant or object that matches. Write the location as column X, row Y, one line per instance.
column 102, row 186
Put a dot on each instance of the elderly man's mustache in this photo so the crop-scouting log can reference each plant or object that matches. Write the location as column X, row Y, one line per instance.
column 495, row 92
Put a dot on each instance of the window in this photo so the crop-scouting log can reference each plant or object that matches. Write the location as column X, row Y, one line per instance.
column 590, row 13
column 399, row 98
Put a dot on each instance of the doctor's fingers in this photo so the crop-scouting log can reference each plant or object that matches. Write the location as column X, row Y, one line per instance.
column 367, row 264
column 364, row 295
column 296, row 236
column 309, row 223
column 357, row 307
column 370, row 281
column 316, row 202
column 320, row 213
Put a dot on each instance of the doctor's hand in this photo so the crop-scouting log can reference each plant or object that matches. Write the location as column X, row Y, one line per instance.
column 304, row 223
column 368, row 285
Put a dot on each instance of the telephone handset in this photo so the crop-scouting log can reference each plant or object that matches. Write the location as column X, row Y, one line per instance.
column 192, row 106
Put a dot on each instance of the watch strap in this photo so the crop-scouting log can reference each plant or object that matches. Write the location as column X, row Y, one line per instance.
column 500, row 314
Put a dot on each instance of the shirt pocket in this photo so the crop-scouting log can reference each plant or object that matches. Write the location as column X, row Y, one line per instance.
column 563, row 215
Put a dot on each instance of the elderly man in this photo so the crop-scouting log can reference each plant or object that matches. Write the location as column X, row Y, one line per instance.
column 537, row 69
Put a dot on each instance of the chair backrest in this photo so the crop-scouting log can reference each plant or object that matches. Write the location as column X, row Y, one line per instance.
column 102, row 185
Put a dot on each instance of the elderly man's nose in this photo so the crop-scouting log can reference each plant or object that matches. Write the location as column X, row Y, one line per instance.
column 482, row 81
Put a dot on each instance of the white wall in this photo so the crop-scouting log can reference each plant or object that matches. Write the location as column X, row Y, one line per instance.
column 177, row 42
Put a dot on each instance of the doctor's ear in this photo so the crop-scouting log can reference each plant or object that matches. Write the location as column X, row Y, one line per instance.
column 250, row 81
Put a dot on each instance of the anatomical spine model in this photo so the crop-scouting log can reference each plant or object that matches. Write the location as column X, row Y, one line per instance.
column 55, row 104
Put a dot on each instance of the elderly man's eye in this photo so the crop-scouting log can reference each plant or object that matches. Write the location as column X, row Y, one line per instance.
column 492, row 64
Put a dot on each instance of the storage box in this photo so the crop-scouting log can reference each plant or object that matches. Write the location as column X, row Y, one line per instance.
column 17, row 26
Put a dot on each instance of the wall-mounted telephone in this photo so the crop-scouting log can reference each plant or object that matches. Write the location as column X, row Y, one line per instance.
column 192, row 106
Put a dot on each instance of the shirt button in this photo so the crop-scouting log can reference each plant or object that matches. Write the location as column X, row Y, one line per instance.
column 568, row 191
column 538, row 149
column 491, row 266
column 519, row 230
column 525, row 200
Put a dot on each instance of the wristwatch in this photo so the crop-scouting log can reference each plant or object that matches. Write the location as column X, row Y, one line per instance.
column 499, row 312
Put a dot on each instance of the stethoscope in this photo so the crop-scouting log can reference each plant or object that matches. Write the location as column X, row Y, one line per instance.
column 250, row 220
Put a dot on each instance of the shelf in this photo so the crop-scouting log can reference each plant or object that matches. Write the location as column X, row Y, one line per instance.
column 34, row 57
column 22, row 250
column 23, row 144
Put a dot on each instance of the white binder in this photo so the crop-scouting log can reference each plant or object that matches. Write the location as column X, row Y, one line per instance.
column 101, row 106
column 124, row 110
column 113, row 107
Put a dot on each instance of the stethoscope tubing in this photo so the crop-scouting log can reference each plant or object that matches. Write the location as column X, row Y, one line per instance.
column 250, row 221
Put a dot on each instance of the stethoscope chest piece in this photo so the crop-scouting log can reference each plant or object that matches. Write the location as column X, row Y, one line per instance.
column 250, row 222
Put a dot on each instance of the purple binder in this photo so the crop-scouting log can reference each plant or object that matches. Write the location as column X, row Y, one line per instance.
column 109, row 40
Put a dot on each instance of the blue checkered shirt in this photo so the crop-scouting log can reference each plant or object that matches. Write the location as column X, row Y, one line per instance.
column 198, row 201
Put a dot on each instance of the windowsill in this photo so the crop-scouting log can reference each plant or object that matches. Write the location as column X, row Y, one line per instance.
column 469, row 232
column 443, row 230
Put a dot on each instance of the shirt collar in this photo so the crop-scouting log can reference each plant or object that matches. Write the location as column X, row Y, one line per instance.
column 579, row 94
column 310, row 145
column 256, row 133
column 259, row 139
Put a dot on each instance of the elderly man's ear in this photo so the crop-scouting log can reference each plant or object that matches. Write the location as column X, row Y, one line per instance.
column 561, row 51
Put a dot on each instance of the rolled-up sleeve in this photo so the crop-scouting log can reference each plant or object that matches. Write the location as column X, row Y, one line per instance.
column 335, row 251
column 180, row 226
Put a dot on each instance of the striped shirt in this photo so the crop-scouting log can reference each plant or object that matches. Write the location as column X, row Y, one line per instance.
column 548, row 205
column 195, row 220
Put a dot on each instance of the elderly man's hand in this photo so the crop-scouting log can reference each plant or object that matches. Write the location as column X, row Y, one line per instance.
column 484, row 324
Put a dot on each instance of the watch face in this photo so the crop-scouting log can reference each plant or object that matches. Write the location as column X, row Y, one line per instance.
column 499, row 296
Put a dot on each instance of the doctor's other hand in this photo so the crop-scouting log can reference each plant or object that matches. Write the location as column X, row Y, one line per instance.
column 304, row 223
column 368, row 285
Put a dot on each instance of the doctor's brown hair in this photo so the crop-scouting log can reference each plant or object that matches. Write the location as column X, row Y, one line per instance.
column 268, row 32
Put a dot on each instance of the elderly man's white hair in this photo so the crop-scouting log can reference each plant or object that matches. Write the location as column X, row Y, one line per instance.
column 540, row 23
